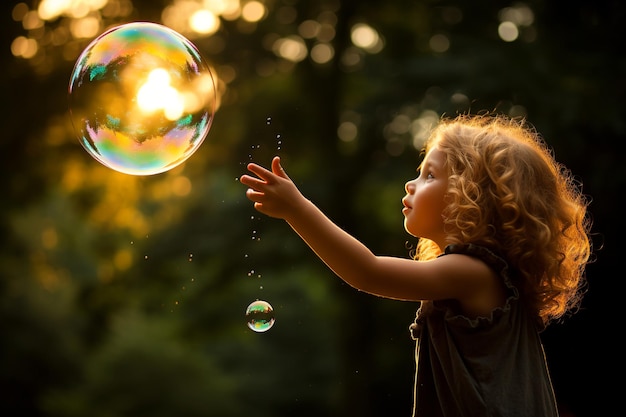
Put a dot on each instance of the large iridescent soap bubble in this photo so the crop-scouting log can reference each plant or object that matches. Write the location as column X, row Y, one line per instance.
column 142, row 98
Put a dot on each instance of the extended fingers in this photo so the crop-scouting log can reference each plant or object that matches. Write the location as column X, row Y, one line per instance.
column 277, row 168
column 261, row 172
column 253, row 195
column 252, row 182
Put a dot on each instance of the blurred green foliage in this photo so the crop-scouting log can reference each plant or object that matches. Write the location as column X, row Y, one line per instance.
column 125, row 296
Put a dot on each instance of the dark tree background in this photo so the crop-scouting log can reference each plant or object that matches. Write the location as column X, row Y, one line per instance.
column 125, row 296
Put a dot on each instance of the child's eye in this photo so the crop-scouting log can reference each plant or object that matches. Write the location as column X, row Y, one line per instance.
column 430, row 176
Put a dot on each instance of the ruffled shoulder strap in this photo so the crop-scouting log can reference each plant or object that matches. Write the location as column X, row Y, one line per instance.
column 496, row 262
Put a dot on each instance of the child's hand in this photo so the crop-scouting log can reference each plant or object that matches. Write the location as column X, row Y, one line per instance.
column 273, row 192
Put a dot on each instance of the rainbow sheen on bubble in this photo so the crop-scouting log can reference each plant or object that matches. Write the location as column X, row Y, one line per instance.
column 260, row 316
column 142, row 98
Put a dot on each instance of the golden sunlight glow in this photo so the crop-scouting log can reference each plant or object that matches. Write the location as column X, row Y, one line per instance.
column 216, row 7
column 204, row 22
column 201, row 17
column 24, row 47
column 157, row 94
column 31, row 20
column 177, row 15
column 51, row 9
column 253, row 11
column 87, row 27
column 232, row 10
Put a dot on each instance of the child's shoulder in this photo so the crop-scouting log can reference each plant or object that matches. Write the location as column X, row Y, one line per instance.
column 488, row 256
column 481, row 275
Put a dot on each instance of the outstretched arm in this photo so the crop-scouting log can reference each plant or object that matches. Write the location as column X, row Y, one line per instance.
column 275, row 195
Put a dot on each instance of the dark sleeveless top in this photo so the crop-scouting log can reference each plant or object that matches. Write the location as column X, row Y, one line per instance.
column 485, row 366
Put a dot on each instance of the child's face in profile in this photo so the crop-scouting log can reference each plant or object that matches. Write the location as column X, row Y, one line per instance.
column 425, row 199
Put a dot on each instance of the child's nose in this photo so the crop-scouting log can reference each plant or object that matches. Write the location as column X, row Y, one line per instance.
column 409, row 187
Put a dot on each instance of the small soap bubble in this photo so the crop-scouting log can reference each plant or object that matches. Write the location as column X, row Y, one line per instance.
column 142, row 98
column 260, row 316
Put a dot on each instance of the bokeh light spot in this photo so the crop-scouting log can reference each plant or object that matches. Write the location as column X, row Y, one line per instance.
column 322, row 53
column 366, row 37
column 204, row 22
column 439, row 43
column 253, row 11
column 291, row 48
column 508, row 31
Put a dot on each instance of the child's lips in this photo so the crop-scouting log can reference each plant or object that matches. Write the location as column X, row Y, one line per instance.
column 406, row 207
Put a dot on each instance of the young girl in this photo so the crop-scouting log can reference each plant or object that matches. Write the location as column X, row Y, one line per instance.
column 503, row 245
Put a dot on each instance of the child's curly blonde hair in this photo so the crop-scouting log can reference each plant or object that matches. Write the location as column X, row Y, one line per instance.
column 507, row 193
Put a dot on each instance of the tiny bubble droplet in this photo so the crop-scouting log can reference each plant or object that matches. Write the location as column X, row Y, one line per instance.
column 260, row 316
